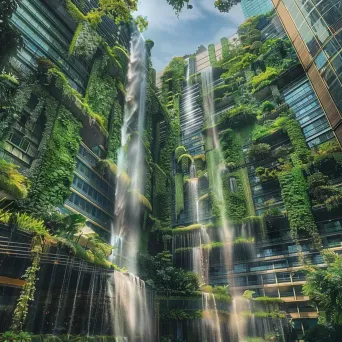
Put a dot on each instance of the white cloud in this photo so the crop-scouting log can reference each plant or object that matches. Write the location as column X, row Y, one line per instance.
column 173, row 36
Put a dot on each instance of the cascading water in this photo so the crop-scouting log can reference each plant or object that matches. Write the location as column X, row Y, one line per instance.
column 227, row 233
column 242, row 321
column 211, row 328
column 193, row 193
column 233, row 184
column 187, row 71
column 188, row 104
column 129, row 311
column 130, row 175
column 117, row 242
column 126, row 292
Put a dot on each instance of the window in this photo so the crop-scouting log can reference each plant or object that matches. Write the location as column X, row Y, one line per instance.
column 321, row 60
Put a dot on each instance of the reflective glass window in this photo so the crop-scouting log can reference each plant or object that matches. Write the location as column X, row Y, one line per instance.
column 321, row 60
column 331, row 48
column 337, row 64
column 328, row 74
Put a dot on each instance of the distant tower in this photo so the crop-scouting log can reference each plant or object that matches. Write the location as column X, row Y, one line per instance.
column 250, row 8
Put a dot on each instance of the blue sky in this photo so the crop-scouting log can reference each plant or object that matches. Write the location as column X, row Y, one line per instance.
column 173, row 36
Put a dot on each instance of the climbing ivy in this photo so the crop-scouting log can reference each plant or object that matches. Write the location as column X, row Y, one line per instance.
column 27, row 293
column 294, row 191
column 298, row 141
column 35, row 114
column 115, row 132
column 212, row 55
column 101, row 92
column 53, row 173
column 85, row 41
column 16, row 105
column 172, row 82
column 235, row 201
column 179, row 193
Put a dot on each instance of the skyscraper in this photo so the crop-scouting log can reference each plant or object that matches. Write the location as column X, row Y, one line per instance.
column 251, row 8
column 314, row 28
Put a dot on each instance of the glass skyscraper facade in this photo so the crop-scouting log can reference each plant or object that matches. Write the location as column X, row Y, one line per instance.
column 47, row 31
column 251, row 8
column 314, row 27
column 301, row 98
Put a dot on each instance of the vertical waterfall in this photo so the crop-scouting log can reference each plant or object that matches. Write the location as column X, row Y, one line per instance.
column 194, row 193
column 211, row 328
column 131, row 154
column 188, row 103
column 126, row 293
column 226, row 232
column 129, row 312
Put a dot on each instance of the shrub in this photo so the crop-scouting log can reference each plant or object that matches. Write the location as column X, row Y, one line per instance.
column 331, row 146
column 282, row 152
column 248, row 294
column 294, row 191
column 317, row 179
column 267, row 106
column 237, row 117
column 257, row 45
column 268, row 128
column 12, row 181
column 259, row 151
column 29, row 224
column 269, row 75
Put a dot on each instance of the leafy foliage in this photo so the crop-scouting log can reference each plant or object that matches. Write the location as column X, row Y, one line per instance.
column 267, row 106
column 10, row 38
column 324, row 287
column 12, row 181
column 294, row 191
column 29, row 224
column 237, row 117
column 179, row 193
column 27, row 292
column 142, row 23
column 259, row 151
column 22, row 336
column 54, row 74
column 264, row 79
column 269, row 128
column 323, row 333
column 52, row 177
column 298, row 141
column 212, row 55
column 179, row 314
column 101, row 91
column 118, row 10
column 164, row 277
column 322, row 192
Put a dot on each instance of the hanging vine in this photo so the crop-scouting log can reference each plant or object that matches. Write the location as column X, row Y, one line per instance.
column 27, row 293
column 17, row 104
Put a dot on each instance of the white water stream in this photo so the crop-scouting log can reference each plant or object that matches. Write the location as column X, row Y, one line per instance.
column 131, row 154
column 126, row 292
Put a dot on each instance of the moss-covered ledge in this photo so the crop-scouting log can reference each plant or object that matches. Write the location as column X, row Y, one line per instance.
column 191, row 228
column 57, row 85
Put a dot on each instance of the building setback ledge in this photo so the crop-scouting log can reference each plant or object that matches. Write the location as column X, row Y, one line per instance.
column 91, row 133
column 12, row 282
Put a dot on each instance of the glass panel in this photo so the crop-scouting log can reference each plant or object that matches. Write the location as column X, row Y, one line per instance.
column 321, row 60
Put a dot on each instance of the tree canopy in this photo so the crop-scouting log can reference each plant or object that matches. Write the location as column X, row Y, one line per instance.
column 324, row 287
column 221, row 5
